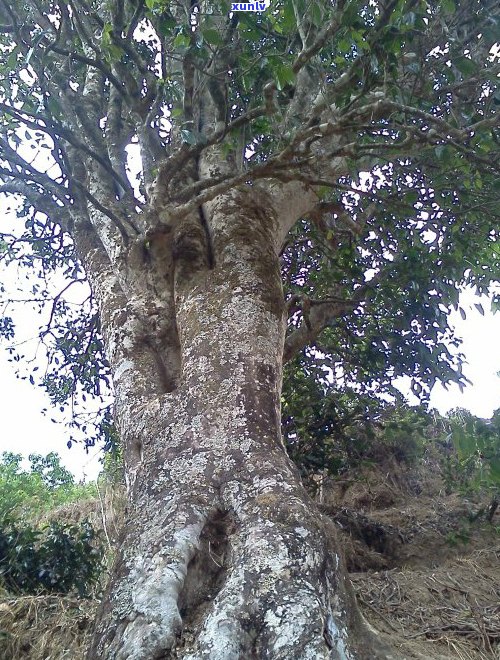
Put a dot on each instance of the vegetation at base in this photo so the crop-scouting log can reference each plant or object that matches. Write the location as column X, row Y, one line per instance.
column 57, row 557
column 475, row 462
column 326, row 431
column 331, row 431
column 60, row 558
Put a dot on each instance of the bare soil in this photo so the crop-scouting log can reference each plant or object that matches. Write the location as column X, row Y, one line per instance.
column 426, row 575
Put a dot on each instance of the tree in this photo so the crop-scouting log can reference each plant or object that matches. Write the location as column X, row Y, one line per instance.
column 184, row 156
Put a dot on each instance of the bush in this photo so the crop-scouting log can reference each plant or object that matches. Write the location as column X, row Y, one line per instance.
column 475, row 462
column 59, row 558
column 332, row 430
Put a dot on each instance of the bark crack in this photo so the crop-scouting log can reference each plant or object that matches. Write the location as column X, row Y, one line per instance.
column 208, row 236
column 206, row 572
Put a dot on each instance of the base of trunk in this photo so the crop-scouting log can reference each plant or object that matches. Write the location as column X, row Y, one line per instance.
column 268, row 584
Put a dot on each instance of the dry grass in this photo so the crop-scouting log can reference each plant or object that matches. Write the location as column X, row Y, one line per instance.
column 48, row 627
column 442, row 605
column 454, row 607
column 55, row 626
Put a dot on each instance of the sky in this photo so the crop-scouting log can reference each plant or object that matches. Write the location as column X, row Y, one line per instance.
column 24, row 429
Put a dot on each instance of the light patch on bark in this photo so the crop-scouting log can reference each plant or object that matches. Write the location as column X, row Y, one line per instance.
column 337, row 637
column 123, row 366
column 220, row 525
column 148, row 598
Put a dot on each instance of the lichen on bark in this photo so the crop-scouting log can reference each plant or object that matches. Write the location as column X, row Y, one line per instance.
column 223, row 553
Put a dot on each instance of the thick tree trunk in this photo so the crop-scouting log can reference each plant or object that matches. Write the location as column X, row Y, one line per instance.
column 223, row 553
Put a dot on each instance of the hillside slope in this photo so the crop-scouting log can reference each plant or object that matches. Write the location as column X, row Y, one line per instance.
column 426, row 576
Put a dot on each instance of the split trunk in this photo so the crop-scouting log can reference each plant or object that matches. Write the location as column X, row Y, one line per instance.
column 223, row 554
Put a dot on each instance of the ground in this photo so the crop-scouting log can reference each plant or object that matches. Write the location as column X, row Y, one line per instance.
column 425, row 574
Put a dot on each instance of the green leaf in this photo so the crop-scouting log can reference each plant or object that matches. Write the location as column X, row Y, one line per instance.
column 288, row 21
column 448, row 6
column 166, row 24
column 344, row 46
column 188, row 137
column 479, row 308
column 181, row 41
column 465, row 65
column 350, row 13
column 212, row 37
column 411, row 197
column 316, row 14
column 285, row 76
column 444, row 153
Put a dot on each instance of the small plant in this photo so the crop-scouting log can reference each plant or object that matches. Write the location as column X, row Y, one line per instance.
column 459, row 537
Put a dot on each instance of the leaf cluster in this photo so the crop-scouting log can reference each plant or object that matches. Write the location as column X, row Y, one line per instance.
column 477, row 445
column 333, row 430
column 60, row 558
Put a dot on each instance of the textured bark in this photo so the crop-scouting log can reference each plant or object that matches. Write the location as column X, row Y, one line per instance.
column 223, row 553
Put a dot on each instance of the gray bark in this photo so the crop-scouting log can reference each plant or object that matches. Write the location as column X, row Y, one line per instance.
column 223, row 554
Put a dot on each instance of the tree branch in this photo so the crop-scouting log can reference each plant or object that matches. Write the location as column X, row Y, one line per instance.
column 317, row 315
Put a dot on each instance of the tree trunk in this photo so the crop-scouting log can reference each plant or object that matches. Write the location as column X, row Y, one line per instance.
column 223, row 554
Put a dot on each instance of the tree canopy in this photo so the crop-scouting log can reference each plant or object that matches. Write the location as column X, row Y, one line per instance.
column 385, row 114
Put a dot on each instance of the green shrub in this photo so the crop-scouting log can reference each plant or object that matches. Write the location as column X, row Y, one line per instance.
column 332, row 430
column 476, row 443
column 59, row 558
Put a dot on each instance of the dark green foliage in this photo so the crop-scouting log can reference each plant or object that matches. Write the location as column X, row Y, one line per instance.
column 60, row 558
column 49, row 467
column 333, row 429
column 475, row 461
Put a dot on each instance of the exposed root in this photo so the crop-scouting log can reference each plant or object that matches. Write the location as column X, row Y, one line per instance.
column 144, row 596
column 281, row 598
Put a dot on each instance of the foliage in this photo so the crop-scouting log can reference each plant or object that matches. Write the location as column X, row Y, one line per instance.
column 61, row 558
column 461, row 536
column 477, row 451
column 113, row 469
column 332, row 430
column 389, row 112
column 47, row 484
